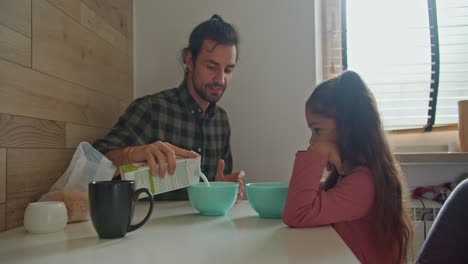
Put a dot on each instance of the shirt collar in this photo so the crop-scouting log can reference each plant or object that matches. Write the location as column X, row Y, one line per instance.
column 192, row 106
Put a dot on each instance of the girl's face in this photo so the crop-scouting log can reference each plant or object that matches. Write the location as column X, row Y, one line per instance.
column 323, row 129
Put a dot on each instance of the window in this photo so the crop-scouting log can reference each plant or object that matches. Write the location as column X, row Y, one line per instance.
column 412, row 54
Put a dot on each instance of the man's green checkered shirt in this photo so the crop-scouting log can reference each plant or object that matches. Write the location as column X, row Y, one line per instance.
column 173, row 116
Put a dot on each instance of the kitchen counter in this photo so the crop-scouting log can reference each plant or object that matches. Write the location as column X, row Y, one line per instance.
column 176, row 233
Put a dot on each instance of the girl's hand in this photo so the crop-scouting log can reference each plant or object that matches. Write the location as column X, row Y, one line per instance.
column 329, row 150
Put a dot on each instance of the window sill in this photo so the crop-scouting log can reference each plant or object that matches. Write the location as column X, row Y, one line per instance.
column 435, row 157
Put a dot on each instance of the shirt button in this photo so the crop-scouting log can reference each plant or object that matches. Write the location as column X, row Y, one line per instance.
column 193, row 112
column 199, row 110
column 199, row 150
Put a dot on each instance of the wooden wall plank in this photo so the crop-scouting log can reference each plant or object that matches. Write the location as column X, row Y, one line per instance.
column 2, row 217
column 88, row 18
column 78, row 133
column 123, row 105
column 95, row 23
column 2, row 175
column 25, row 132
column 130, row 30
column 115, row 12
column 14, row 211
column 65, row 49
column 16, row 14
column 30, row 174
column 130, row 49
column 14, row 46
column 72, row 8
column 26, row 92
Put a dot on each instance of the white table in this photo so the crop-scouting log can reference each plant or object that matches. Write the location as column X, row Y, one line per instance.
column 176, row 233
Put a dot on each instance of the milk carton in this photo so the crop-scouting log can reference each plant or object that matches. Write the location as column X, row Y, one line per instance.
column 187, row 173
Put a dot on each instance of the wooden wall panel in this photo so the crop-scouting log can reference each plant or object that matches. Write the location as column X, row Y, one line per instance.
column 30, row 93
column 14, row 46
column 123, row 105
column 95, row 23
column 130, row 49
column 16, row 14
column 72, row 8
column 88, row 18
column 2, row 175
column 30, row 174
column 2, row 217
column 66, row 75
column 14, row 210
column 25, row 132
column 77, row 133
column 65, row 49
column 130, row 31
column 116, row 12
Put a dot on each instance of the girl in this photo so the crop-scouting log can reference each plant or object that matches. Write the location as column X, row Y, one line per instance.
column 364, row 197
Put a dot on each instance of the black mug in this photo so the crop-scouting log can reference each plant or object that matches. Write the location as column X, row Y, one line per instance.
column 111, row 205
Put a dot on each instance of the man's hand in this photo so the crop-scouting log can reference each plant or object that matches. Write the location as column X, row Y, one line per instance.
column 329, row 150
column 159, row 156
column 235, row 177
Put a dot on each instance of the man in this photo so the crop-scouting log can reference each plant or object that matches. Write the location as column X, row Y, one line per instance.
column 187, row 117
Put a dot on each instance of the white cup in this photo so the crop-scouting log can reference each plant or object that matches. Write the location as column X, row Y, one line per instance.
column 45, row 217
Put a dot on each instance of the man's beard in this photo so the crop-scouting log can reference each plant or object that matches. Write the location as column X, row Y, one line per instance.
column 204, row 92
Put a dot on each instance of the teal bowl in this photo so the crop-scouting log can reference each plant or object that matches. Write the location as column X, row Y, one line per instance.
column 267, row 198
column 213, row 200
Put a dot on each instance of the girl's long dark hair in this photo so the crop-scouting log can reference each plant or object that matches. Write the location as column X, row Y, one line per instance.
column 362, row 141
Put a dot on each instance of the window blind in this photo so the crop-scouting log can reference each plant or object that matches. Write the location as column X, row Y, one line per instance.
column 415, row 64
column 388, row 43
column 452, row 16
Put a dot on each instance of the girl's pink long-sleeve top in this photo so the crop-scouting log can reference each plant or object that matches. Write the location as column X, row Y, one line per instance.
column 348, row 206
